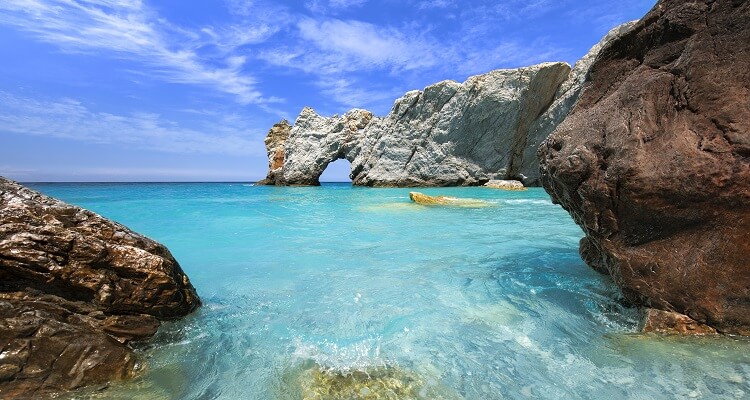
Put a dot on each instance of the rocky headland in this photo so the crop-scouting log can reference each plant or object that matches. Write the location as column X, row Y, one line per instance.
column 75, row 290
column 653, row 163
column 449, row 134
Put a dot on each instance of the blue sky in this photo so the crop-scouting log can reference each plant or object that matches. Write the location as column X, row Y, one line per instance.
column 166, row 90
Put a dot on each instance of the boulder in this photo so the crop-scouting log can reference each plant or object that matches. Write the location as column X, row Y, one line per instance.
column 654, row 162
column 75, row 289
column 505, row 185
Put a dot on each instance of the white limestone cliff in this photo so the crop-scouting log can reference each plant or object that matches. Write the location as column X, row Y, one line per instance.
column 449, row 134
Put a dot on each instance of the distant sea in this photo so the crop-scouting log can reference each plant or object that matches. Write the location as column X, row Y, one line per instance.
column 329, row 291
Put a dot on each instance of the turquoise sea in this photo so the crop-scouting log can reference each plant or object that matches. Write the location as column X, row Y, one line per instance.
column 344, row 292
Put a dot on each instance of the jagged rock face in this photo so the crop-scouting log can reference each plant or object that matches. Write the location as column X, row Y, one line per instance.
column 316, row 141
column 449, row 134
column 275, row 141
column 75, row 288
column 654, row 162
column 458, row 134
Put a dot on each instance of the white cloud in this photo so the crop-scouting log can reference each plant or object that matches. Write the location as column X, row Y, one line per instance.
column 127, row 29
column 367, row 45
column 332, row 46
column 70, row 119
column 343, row 55
column 352, row 93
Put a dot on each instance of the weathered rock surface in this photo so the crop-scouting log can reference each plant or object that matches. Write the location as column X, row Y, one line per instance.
column 566, row 97
column 457, row 134
column 75, row 288
column 274, row 142
column 449, row 134
column 654, row 162
column 668, row 322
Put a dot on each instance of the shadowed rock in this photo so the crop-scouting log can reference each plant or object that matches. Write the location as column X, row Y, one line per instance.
column 654, row 162
column 75, row 288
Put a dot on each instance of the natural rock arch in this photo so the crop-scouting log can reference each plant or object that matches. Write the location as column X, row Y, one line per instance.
column 449, row 134
column 315, row 142
column 334, row 170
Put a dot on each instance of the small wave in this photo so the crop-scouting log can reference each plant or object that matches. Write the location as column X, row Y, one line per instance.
column 330, row 356
column 528, row 201
column 248, row 184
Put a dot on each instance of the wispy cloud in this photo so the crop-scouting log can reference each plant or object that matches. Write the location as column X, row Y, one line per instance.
column 352, row 93
column 428, row 4
column 128, row 29
column 348, row 45
column 332, row 6
column 343, row 56
column 70, row 119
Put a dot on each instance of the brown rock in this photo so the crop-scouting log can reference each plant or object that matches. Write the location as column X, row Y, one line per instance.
column 275, row 141
column 75, row 288
column 654, row 162
column 659, row 321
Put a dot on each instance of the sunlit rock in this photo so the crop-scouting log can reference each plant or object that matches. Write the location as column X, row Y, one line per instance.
column 425, row 200
column 505, row 185
column 75, row 289
column 449, row 134
column 376, row 383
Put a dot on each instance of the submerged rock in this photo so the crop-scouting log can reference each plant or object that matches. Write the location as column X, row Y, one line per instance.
column 505, row 185
column 425, row 200
column 449, row 134
column 659, row 321
column 376, row 383
column 75, row 289
column 654, row 162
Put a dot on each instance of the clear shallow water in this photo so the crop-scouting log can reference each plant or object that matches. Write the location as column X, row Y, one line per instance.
column 357, row 293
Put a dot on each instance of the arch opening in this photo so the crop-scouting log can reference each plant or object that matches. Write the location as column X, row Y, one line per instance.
column 337, row 172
